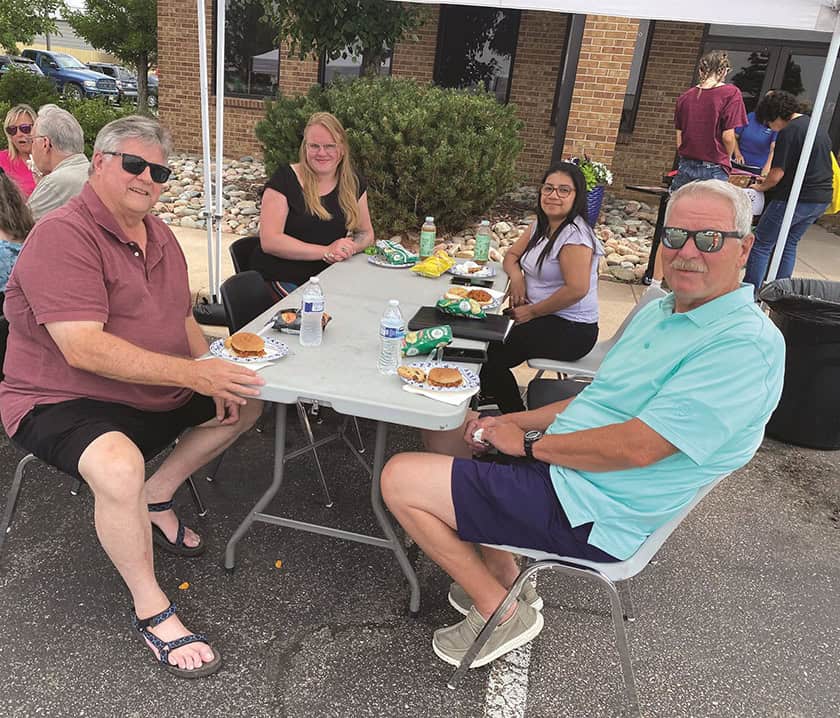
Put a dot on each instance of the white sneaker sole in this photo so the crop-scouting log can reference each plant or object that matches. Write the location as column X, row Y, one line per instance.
column 536, row 605
column 512, row 644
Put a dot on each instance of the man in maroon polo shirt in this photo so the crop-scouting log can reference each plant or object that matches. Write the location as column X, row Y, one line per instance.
column 100, row 372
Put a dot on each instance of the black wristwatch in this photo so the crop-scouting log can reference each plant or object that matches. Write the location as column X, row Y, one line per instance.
column 531, row 437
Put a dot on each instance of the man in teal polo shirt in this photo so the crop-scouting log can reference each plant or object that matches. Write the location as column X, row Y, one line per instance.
column 680, row 400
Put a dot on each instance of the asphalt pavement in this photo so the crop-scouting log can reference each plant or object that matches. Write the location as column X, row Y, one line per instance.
column 737, row 616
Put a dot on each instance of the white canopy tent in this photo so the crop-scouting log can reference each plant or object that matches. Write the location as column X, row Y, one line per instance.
column 814, row 15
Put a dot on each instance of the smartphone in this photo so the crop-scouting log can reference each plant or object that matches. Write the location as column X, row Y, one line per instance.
column 473, row 282
column 475, row 354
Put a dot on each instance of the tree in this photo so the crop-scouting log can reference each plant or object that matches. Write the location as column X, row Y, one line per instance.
column 22, row 20
column 340, row 28
column 126, row 29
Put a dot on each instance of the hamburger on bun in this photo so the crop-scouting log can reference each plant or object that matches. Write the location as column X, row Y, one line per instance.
column 445, row 377
column 246, row 344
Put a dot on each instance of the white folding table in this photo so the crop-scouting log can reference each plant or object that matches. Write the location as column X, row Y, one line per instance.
column 341, row 373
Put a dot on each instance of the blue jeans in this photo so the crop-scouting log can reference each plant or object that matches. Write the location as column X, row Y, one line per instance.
column 692, row 170
column 767, row 233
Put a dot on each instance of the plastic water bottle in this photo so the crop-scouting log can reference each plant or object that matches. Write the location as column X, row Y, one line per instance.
column 428, row 236
column 391, row 333
column 311, row 313
column 481, row 251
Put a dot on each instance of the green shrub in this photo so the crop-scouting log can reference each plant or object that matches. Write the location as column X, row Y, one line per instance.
column 93, row 115
column 423, row 150
column 24, row 87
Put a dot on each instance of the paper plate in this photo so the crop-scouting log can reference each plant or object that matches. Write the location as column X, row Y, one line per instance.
column 471, row 380
column 274, row 349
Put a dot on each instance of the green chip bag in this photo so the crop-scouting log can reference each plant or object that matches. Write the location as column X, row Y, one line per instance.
column 425, row 340
column 461, row 308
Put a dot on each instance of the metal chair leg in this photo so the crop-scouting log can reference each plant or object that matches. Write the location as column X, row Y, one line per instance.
column 359, row 436
column 12, row 497
column 626, row 595
column 214, row 466
column 304, row 419
column 200, row 508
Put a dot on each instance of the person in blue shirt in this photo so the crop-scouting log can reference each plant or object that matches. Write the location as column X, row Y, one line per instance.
column 756, row 143
column 679, row 401
column 15, row 223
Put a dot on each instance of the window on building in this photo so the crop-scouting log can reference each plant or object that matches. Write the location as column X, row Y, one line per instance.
column 350, row 65
column 252, row 59
column 637, row 74
column 476, row 47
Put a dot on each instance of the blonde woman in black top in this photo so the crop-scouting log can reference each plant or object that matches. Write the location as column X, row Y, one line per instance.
column 314, row 212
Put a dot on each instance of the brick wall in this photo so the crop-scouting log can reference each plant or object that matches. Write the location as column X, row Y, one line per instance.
column 179, row 92
column 649, row 152
column 297, row 76
column 414, row 55
column 604, row 67
column 536, row 65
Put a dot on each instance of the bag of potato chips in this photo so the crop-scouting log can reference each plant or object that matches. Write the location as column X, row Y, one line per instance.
column 425, row 340
column 463, row 307
column 395, row 253
column 435, row 265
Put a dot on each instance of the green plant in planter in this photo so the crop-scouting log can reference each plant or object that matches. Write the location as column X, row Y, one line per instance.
column 595, row 173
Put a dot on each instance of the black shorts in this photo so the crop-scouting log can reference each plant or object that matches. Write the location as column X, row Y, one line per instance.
column 59, row 433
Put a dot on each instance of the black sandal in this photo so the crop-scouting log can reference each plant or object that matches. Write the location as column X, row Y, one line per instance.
column 164, row 648
column 179, row 548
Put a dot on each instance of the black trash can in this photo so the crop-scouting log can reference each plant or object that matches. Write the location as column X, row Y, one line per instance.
column 807, row 312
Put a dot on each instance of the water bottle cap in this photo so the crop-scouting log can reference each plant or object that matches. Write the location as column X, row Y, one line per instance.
column 485, row 222
column 394, row 302
column 430, row 219
column 314, row 280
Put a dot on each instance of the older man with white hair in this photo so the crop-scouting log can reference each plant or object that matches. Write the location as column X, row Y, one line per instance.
column 681, row 399
column 100, row 371
column 58, row 146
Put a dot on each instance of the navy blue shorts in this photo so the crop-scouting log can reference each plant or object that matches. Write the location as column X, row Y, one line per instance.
column 515, row 504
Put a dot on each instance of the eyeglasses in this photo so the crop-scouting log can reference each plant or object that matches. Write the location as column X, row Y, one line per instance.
column 706, row 240
column 136, row 165
column 562, row 190
column 330, row 149
column 11, row 130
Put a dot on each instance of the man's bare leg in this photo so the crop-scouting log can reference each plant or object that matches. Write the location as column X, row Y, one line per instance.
column 449, row 443
column 114, row 469
column 195, row 448
column 417, row 489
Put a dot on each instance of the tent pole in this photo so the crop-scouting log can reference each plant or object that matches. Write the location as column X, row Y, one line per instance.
column 205, row 138
column 220, row 137
column 807, row 146
column 567, row 85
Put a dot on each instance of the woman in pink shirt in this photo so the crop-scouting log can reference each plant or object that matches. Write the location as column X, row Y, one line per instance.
column 18, row 130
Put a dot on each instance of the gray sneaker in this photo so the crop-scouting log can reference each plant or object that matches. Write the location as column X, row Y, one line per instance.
column 452, row 643
column 460, row 600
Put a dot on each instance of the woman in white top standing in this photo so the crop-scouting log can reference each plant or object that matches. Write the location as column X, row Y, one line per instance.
column 553, row 272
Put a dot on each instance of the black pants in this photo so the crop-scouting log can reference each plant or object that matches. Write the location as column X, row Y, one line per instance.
column 550, row 337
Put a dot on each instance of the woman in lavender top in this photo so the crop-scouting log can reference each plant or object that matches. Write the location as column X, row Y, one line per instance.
column 553, row 272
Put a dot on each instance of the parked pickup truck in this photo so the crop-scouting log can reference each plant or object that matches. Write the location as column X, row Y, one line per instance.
column 71, row 77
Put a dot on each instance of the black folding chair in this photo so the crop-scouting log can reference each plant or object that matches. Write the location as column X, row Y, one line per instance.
column 241, row 251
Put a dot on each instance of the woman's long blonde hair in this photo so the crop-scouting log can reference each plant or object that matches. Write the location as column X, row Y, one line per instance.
column 10, row 115
column 348, row 183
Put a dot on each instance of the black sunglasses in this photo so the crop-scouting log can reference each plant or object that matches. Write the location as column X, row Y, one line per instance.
column 11, row 130
column 136, row 165
column 706, row 240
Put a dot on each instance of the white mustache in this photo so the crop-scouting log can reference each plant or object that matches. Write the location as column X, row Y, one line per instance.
column 687, row 265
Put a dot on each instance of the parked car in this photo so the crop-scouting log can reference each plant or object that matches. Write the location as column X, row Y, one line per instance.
column 125, row 79
column 153, row 89
column 8, row 62
column 71, row 77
